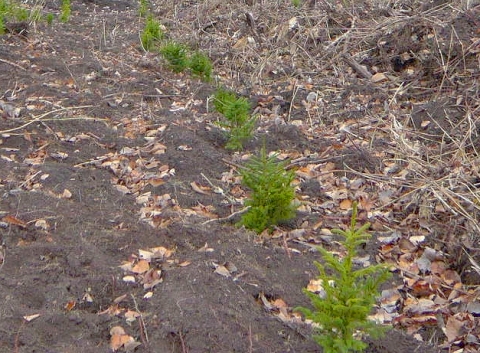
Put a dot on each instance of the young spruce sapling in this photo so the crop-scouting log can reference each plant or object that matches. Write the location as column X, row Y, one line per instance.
column 272, row 197
column 349, row 295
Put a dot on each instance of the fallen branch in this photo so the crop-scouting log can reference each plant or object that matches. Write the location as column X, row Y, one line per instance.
column 13, row 64
column 359, row 69
column 42, row 116
column 243, row 210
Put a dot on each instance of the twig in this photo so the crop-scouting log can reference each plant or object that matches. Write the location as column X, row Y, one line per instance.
column 71, row 75
column 357, row 67
column 475, row 265
column 285, row 245
column 294, row 94
column 208, row 181
column 232, row 164
column 146, row 95
column 29, row 178
column 3, row 255
column 306, row 160
column 251, row 22
column 338, row 40
column 95, row 161
column 13, row 64
column 141, row 324
column 219, row 190
column 184, row 347
column 250, row 341
column 227, row 218
column 42, row 116
column 114, row 286
column 313, row 247
column 17, row 338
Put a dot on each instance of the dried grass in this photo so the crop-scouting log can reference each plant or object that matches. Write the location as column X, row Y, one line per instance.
column 272, row 47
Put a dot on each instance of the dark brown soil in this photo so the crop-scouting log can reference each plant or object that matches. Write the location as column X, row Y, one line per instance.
column 62, row 249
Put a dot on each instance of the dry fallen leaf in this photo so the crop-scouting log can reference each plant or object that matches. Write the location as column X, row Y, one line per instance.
column 119, row 299
column 42, row 224
column 70, row 305
column 205, row 190
column 457, row 326
column 130, row 346
column 206, row 249
column 119, row 338
column 266, row 302
column 15, row 221
column 161, row 252
column 184, row 148
column 123, row 189
column 425, row 123
column 129, row 279
column 378, row 77
column 417, row 239
column 126, row 266
column 112, row 310
column 131, row 315
column 420, row 306
column 156, row 181
column 204, row 211
column 141, row 266
column 451, row 277
column 87, row 297
column 222, row 270
column 279, row 303
column 29, row 318
column 66, row 194
column 151, row 278
column 145, row 254
column 413, row 324
column 143, row 198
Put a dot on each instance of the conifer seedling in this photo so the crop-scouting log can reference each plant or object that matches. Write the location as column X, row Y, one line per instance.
column 49, row 18
column 349, row 295
column 143, row 8
column 151, row 34
column 201, row 66
column 238, row 122
column 11, row 10
column 272, row 197
column 296, row 3
column 65, row 11
column 176, row 55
